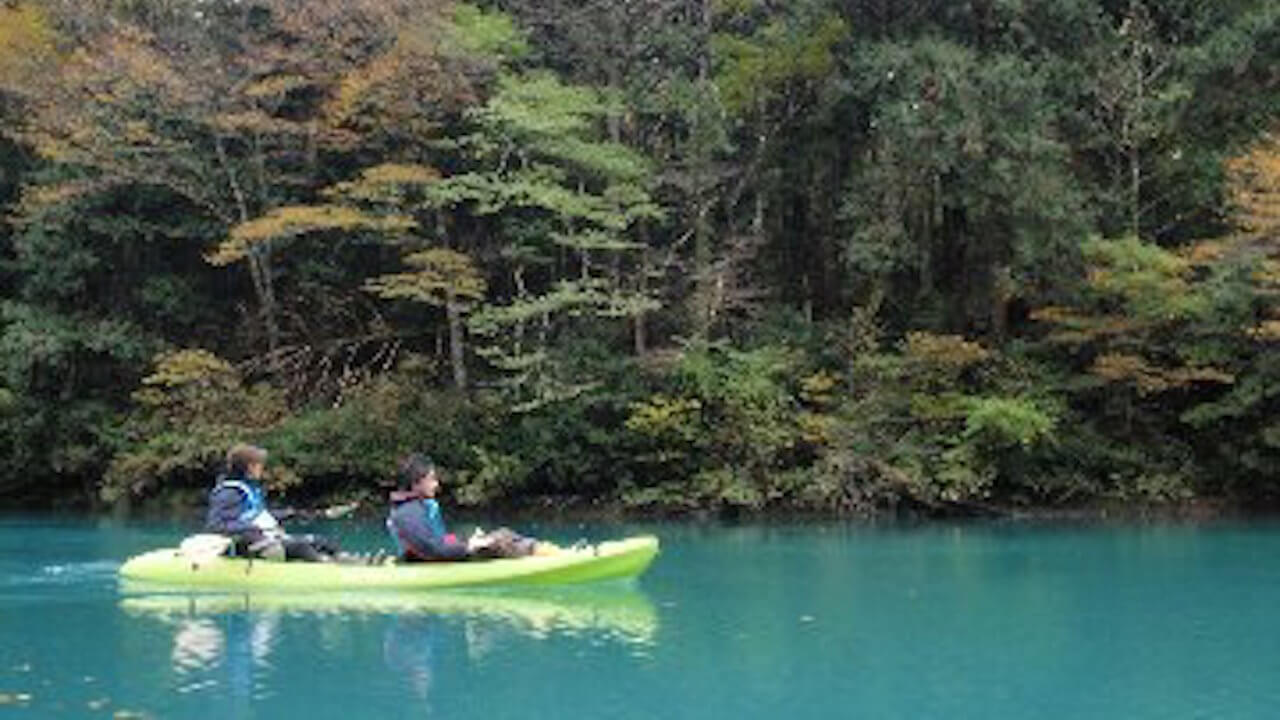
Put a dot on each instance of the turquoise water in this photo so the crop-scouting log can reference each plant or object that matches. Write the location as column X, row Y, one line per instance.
column 816, row 621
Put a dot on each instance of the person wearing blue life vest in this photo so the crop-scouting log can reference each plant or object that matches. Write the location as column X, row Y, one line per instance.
column 417, row 527
column 238, row 509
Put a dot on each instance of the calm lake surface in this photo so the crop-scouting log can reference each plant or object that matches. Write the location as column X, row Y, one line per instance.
column 812, row 621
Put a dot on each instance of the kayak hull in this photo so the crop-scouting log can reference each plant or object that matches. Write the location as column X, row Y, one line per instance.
column 172, row 567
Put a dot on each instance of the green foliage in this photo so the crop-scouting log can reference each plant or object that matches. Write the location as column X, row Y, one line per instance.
column 938, row 422
column 441, row 276
column 190, row 409
column 778, row 55
column 999, row 422
column 359, row 440
column 730, row 427
column 741, row 256
column 496, row 475
column 963, row 151
column 487, row 34
column 1142, row 280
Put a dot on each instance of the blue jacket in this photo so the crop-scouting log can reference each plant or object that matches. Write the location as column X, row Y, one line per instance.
column 417, row 529
column 234, row 503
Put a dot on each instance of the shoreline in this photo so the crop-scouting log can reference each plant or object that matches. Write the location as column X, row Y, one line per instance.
column 545, row 509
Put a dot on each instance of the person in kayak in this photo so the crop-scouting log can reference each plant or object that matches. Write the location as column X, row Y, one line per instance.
column 417, row 527
column 238, row 509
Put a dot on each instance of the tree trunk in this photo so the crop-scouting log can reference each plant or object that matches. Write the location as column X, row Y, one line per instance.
column 457, row 349
column 517, row 279
column 702, row 255
column 638, row 338
column 1001, row 296
column 260, row 267
column 638, row 334
column 258, row 258
column 1135, row 159
column 1135, row 191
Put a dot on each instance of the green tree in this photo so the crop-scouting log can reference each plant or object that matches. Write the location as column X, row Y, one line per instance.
column 444, row 278
column 964, row 194
column 556, row 205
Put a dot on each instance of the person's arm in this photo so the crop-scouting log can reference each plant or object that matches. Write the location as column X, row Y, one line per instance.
column 225, row 506
column 445, row 550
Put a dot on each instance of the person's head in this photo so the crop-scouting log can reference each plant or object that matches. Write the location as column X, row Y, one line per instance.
column 418, row 473
column 246, row 460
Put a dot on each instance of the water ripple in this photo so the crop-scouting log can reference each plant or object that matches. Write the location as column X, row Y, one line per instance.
column 97, row 574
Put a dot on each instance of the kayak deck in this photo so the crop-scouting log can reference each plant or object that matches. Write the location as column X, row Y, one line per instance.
column 608, row 560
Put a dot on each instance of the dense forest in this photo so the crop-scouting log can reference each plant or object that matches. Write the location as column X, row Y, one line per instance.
column 839, row 256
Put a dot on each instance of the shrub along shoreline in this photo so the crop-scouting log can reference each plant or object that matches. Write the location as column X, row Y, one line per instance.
column 931, row 426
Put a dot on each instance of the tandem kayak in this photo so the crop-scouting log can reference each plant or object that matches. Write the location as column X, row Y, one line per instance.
column 178, row 567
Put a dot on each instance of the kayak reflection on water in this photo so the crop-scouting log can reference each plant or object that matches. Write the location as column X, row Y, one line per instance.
column 222, row 644
column 408, row 649
column 617, row 611
column 232, row 648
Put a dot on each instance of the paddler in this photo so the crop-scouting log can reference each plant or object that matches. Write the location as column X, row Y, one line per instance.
column 238, row 509
column 417, row 526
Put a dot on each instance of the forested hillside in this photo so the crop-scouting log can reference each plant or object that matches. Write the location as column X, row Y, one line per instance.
column 825, row 255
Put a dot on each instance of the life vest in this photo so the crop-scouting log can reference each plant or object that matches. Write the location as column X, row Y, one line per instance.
column 405, row 547
column 255, row 507
column 434, row 521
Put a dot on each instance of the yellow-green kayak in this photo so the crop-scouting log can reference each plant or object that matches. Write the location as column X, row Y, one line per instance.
column 177, row 567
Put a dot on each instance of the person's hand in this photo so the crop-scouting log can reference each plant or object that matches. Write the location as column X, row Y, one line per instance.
column 478, row 541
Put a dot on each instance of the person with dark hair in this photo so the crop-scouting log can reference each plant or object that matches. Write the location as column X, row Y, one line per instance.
column 417, row 527
column 238, row 509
